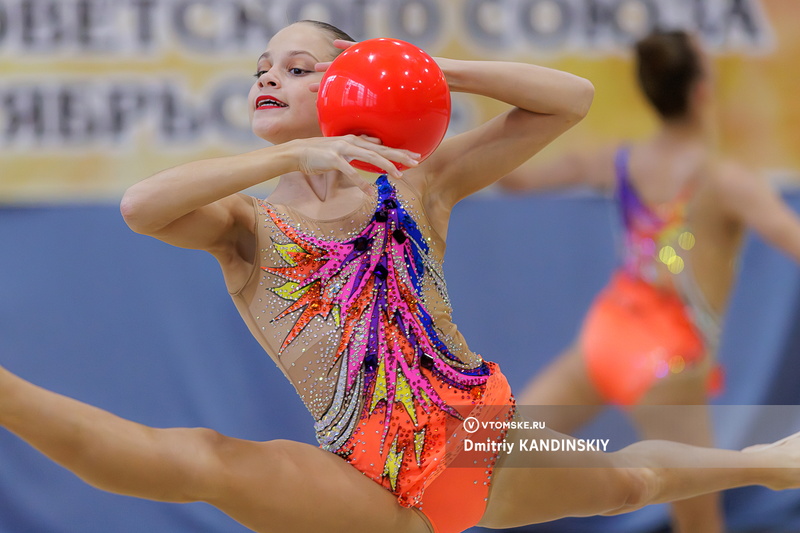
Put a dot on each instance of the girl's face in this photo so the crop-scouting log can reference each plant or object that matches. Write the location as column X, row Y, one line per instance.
column 281, row 105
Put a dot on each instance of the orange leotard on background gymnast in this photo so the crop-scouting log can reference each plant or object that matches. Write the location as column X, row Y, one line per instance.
column 651, row 320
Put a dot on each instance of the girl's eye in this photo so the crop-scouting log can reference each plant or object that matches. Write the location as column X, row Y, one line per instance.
column 296, row 71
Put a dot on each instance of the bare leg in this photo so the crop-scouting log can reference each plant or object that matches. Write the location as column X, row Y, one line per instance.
column 530, row 488
column 659, row 417
column 269, row 486
column 564, row 382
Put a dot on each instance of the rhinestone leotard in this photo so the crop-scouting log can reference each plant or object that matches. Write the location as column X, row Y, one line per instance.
column 355, row 312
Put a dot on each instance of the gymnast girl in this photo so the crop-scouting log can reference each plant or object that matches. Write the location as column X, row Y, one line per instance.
column 340, row 280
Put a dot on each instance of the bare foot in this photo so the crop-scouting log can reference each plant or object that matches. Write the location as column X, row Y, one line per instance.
column 781, row 461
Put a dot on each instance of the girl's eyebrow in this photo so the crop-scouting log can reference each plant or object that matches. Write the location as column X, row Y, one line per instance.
column 291, row 53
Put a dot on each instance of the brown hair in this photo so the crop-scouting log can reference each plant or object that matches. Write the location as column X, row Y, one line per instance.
column 330, row 29
column 668, row 66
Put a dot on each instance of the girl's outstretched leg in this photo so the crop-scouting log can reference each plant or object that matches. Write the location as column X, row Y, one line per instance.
column 529, row 488
column 267, row 486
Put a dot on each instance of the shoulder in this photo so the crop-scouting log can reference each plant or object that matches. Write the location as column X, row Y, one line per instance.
column 728, row 171
column 731, row 179
column 735, row 185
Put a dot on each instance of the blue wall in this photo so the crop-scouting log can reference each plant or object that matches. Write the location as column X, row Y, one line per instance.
column 147, row 331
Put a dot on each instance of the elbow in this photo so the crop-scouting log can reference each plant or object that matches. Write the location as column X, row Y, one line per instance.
column 576, row 105
column 132, row 207
column 587, row 96
column 583, row 100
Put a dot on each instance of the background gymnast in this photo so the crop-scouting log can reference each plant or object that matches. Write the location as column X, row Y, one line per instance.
column 651, row 336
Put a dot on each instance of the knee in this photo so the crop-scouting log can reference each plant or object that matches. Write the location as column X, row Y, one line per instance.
column 202, row 455
column 237, row 455
column 240, row 465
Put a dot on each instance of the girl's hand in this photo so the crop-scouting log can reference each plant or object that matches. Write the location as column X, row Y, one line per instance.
column 322, row 67
column 320, row 154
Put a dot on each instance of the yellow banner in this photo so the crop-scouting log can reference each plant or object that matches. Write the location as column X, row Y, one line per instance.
column 98, row 94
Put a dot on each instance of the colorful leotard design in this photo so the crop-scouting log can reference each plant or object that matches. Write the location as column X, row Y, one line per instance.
column 364, row 311
column 651, row 320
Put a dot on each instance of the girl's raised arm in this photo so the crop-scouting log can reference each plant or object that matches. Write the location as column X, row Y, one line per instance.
column 193, row 205
column 546, row 103
column 196, row 205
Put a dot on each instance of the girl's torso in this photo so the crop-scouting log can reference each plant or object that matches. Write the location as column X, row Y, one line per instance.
column 354, row 310
column 336, row 302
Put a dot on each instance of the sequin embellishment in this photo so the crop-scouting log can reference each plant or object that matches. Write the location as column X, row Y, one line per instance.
column 397, row 376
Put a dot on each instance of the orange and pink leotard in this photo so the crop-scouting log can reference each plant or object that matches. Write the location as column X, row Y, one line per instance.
column 651, row 320
column 355, row 312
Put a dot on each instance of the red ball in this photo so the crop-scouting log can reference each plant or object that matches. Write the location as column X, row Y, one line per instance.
column 389, row 89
